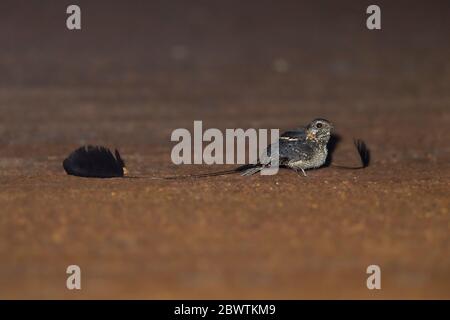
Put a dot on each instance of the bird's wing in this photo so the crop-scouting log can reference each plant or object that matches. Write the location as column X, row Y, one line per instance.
column 293, row 151
column 289, row 150
column 297, row 134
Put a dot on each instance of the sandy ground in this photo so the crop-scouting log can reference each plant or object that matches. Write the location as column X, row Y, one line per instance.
column 134, row 74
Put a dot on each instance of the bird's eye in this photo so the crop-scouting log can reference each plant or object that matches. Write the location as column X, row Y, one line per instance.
column 319, row 125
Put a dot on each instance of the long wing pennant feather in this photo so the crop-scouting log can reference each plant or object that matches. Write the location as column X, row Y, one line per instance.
column 364, row 152
column 100, row 162
column 94, row 162
column 364, row 155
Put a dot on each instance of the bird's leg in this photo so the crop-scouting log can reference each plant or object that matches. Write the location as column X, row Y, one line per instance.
column 303, row 171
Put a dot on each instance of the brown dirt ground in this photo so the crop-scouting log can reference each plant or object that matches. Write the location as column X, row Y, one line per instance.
column 133, row 74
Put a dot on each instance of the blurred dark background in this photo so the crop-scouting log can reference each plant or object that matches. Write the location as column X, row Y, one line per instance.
column 143, row 43
column 237, row 63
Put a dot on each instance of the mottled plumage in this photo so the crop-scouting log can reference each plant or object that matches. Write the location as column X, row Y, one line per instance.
column 300, row 149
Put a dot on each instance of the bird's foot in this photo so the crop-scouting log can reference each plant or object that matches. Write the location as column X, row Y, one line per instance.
column 303, row 172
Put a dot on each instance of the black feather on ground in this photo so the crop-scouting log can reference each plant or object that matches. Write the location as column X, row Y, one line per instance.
column 94, row 162
column 363, row 151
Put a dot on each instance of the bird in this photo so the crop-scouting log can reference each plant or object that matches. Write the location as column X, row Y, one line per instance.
column 300, row 149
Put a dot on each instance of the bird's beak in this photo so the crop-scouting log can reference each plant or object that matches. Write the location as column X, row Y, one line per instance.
column 310, row 136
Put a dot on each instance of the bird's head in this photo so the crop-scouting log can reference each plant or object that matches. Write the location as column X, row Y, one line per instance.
column 319, row 130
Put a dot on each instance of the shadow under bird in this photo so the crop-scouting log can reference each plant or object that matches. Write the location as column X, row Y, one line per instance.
column 300, row 149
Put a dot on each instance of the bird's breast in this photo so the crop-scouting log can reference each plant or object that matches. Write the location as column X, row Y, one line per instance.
column 317, row 160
